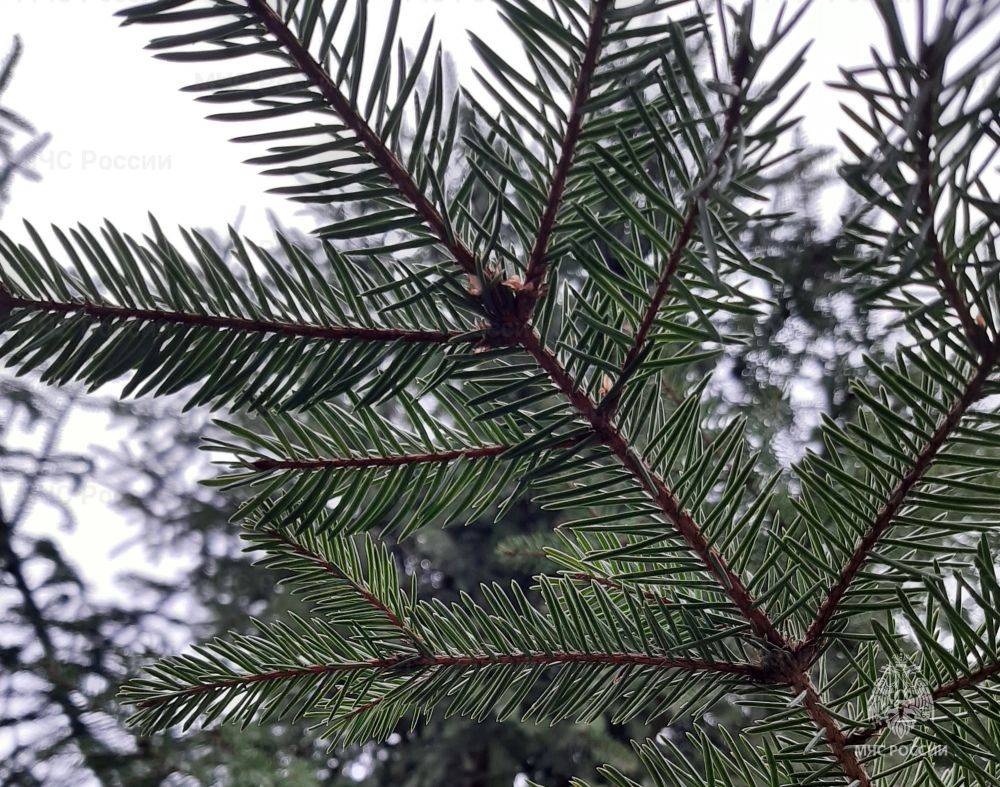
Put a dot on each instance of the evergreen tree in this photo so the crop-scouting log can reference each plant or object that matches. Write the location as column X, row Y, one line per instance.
column 513, row 337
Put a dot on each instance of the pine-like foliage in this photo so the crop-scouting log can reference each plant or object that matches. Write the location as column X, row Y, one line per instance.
column 503, row 323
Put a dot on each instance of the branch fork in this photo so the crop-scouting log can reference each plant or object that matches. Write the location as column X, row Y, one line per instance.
column 509, row 306
column 515, row 327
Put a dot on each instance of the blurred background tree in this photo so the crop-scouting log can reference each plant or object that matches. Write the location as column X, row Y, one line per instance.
column 19, row 142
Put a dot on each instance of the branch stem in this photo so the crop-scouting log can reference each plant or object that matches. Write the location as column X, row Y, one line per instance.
column 241, row 324
column 353, row 119
column 685, row 525
column 681, row 242
column 537, row 267
column 828, row 608
column 835, row 738
column 749, row 672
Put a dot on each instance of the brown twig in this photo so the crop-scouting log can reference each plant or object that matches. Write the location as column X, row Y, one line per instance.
column 941, row 692
column 973, row 390
column 537, row 268
column 835, row 739
column 378, row 150
column 607, row 582
column 242, row 324
column 750, row 672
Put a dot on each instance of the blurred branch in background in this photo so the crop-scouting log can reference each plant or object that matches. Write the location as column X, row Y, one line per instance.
column 19, row 142
column 73, row 628
column 33, row 612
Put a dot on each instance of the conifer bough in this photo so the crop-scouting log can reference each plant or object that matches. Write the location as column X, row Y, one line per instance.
column 474, row 328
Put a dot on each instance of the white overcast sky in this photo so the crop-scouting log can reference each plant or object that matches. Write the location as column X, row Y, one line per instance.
column 125, row 141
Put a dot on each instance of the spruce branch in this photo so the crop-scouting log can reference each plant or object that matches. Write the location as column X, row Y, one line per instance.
column 178, row 689
column 938, row 693
column 973, row 390
column 353, row 119
column 10, row 304
column 609, row 435
column 173, row 318
column 664, row 503
column 243, row 678
column 932, row 66
column 408, row 663
column 322, row 561
column 535, row 271
column 700, row 193
column 416, row 469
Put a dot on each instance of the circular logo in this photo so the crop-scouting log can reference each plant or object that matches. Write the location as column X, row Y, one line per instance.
column 901, row 697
